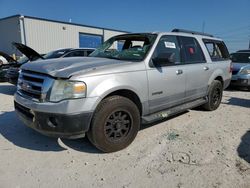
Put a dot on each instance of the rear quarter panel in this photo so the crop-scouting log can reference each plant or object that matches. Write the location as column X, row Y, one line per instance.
column 217, row 68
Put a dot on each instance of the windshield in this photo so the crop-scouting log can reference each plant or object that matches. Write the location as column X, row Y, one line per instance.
column 240, row 57
column 132, row 47
column 56, row 53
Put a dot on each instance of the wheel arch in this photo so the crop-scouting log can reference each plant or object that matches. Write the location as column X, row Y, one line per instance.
column 217, row 75
column 127, row 93
column 219, row 78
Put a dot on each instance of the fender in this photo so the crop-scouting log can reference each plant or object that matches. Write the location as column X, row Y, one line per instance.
column 102, row 86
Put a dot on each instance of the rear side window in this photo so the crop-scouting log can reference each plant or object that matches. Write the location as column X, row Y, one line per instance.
column 191, row 50
column 217, row 50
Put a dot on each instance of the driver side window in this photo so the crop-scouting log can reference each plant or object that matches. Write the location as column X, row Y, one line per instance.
column 168, row 48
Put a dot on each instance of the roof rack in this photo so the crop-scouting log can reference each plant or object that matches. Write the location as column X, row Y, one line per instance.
column 191, row 32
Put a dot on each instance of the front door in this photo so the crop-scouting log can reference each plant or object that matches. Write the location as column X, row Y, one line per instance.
column 166, row 79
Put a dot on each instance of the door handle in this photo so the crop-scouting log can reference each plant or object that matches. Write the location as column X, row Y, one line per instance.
column 179, row 72
column 206, row 68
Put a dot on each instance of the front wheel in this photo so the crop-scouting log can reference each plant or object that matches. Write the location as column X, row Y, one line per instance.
column 214, row 96
column 115, row 124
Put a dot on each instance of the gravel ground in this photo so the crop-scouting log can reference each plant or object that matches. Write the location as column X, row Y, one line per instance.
column 194, row 149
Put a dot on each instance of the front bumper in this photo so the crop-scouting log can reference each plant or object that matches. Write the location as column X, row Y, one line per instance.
column 53, row 124
column 66, row 119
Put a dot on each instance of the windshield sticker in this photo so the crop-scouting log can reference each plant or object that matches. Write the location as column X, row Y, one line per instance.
column 169, row 44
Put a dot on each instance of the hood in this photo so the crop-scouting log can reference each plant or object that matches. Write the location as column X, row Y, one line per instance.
column 7, row 57
column 67, row 67
column 238, row 66
column 27, row 51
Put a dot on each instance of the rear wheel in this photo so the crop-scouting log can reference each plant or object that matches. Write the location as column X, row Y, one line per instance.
column 214, row 96
column 115, row 124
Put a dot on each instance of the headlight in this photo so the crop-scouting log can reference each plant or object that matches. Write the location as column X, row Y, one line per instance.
column 245, row 71
column 65, row 89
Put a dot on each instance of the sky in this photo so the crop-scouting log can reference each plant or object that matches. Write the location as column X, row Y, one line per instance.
column 227, row 19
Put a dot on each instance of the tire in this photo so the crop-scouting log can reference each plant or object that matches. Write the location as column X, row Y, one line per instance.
column 115, row 124
column 214, row 96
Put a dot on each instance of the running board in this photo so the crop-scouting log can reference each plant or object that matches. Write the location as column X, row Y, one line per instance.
column 172, row 111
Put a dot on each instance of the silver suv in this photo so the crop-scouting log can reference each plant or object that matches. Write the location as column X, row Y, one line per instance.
column 130, row 80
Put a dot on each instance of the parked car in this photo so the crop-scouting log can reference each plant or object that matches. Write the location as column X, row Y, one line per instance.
column 30, row 55
column 129, row 80
column 241, row 69
column 7, row 62
column 13, row 72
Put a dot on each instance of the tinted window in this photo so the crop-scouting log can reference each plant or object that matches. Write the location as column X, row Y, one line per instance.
column 191, row 50
column 56, row 53
column 76, row 54
column 89, row 41
column 217, row 50
column 168, row 47
column 241, row 57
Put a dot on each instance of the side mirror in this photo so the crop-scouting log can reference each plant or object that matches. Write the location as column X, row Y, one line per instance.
column 164, row 59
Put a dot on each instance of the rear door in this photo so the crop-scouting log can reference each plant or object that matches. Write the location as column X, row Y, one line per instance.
column 198, row 71
column 166, row 81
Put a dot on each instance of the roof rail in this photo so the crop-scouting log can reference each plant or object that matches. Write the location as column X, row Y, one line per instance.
column 191, row 32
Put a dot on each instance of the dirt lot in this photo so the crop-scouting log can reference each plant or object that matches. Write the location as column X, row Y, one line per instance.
column 194, row 149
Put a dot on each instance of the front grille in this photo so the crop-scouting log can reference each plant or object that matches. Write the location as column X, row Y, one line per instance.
column 33, row 85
